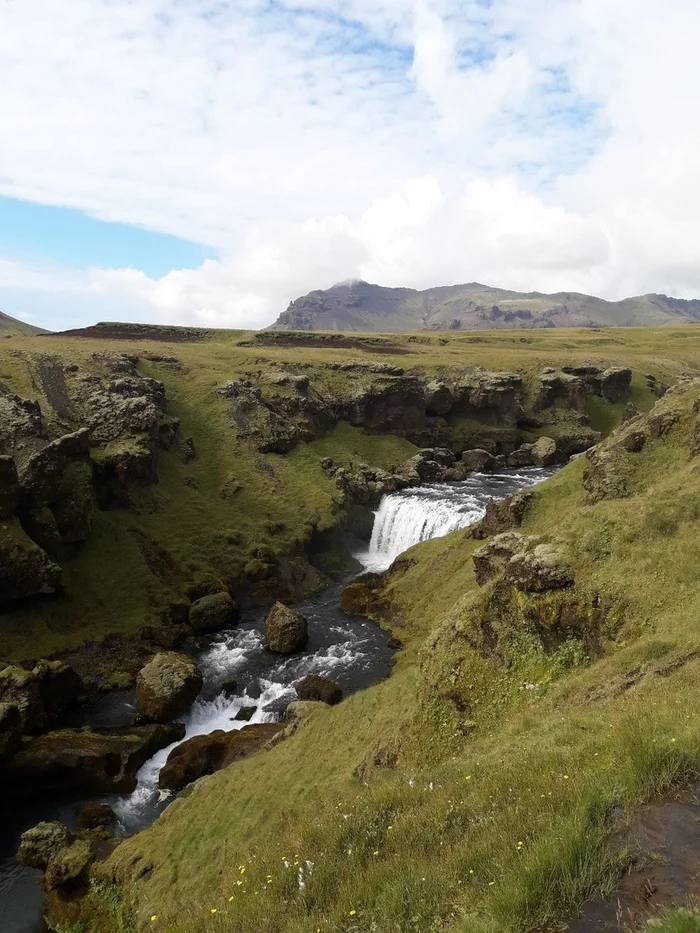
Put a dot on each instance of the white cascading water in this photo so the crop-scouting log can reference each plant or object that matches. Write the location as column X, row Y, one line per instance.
column 414, row 515
column 402, row 520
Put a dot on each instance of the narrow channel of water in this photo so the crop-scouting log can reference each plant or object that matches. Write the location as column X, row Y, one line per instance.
column 352, row 652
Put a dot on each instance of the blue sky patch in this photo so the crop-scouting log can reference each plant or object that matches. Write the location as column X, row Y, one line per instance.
column 35, row 231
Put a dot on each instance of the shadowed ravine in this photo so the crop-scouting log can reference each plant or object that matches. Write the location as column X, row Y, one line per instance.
column 352, row 652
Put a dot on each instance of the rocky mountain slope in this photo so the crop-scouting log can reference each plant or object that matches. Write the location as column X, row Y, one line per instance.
column 360, row 306
column 10, row 327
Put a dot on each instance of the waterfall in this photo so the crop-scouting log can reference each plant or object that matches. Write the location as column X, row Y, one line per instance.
column 414, row 515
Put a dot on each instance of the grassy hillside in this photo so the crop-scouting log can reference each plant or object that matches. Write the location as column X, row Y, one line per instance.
column 485, row 785
column 11, row 327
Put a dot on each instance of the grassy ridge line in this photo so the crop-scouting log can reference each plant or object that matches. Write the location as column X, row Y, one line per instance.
column 411, row 820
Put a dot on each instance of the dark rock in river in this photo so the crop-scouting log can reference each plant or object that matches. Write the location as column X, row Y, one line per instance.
column 477, row 460
column 167, row 686
column 95, row 816
column 314, row 687
column 205, row 754
column 286, row 631
column 76, row 759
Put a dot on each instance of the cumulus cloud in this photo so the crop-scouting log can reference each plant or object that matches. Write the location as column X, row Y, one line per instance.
column 529, row 145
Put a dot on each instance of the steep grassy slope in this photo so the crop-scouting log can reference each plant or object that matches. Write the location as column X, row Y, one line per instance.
column 365, row 307
column 11, row 327
column 480, row 788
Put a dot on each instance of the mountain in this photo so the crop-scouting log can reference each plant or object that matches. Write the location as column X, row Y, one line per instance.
column 365, row 307
column 11, row 327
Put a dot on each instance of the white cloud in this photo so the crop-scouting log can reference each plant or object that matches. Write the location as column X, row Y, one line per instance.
column 528, row 144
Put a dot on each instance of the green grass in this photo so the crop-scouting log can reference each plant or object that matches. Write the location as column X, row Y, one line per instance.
column 428, row 813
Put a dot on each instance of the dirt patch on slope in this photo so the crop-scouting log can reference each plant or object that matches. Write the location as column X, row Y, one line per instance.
column 663, row 870
column 109, row 331
column 329, row 341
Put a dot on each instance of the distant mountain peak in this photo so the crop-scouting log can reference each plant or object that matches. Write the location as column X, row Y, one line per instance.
column 356, row 305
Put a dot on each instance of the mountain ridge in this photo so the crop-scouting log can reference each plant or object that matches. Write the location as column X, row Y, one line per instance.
column 362, row 306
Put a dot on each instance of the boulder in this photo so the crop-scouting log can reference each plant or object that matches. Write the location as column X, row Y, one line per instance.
column 503, row 514
column 205, row 754
column 167, row 686
column 544, row 568
column 439, row 399
column 69, row 866
column 554, row 385
column 492, row 558
column 59, row 685
column 95, row 816
column 213, row 613
column 9, row 487
column 40, row 844
column 286, row 631
column 245, row 713
column 22, row 689
column 300, row 711
column 633, row 441
column 83, row 760
column 522, row 457
column 629, row 413
column 10, row 731
column 314, row 687
column 25, row 569
column 478, row 461
column 661, row 422
column 544, row 452
column 615, row 383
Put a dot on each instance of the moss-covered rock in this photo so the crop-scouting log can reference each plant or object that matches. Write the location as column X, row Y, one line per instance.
column 503, row 514
column 205, row 754
column 40, row 844
column 82, row 760
column 544, row 452
column 314, row 687
column 546, row 567
column 22, row 689
column 213, row 613
column 68, row 867
column 25, row 569
column 286, row 631
column 95, row 816
column 167, row 686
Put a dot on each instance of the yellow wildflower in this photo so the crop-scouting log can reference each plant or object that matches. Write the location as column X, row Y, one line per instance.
column 352, row 913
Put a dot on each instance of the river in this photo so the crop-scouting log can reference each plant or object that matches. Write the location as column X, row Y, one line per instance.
column 353, row 652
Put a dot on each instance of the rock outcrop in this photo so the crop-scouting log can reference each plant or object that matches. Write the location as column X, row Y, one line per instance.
column 82, row 760
column 314, row 687
column 54, row 849
column 528, row 566
column 167, row 686
column 205, row 754
column 286, row 631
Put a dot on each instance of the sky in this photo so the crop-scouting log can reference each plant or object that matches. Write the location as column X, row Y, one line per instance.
column 205, row 162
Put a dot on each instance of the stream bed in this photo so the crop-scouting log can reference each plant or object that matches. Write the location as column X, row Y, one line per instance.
column 352, row 652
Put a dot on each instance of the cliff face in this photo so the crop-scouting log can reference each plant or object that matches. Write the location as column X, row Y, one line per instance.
column 360, row 306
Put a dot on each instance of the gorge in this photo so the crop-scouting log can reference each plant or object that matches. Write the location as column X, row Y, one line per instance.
column 160, row 490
